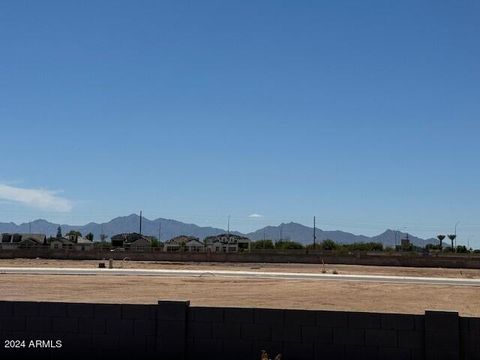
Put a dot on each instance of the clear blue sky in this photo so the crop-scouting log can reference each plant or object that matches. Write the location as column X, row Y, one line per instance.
column 365, row 114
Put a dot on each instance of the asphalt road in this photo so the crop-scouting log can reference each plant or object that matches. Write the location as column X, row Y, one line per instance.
column 241, row 274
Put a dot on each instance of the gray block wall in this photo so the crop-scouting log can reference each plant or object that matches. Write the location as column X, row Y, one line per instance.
column 175, row 330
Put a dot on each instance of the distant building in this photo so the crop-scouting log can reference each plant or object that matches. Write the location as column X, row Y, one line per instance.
column 227, row 243
column 131, row 241
column 72, row 241
column 16, row 240
column 184, row 243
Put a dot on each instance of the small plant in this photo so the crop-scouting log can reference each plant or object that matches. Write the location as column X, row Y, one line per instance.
column 335, row 272
column 323, row 267
column 264, row 356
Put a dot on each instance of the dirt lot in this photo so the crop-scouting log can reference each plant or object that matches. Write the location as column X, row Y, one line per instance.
column 274, row 293
column 305, row 268
column 295, row 294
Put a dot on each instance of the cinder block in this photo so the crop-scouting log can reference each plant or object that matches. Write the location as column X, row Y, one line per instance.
column 417, row 354
column 170, row 349
column 329, row 352
column 364, row 320
column 119, row 326
column 135, row 344
column 470, row 346
column 12, row 324
column 332, row 319
column 474, row 325
column 25, row 308
column 150, row 343
column 419, row 322
column 91, row 326
column 381, row 337
column 437, row 354
column 240, row 349
column 397, row 322
column 65, row 325
column 206, row 314
column 300, row 317
column 80, row 310
column 144, row 327
column 134, row 311
column 317, row 335
column 77, row 342
column 394, row 354
column 361, row 352
column 105, row 342
column 300, row 351
column 43, row 324
column 226, row 330
column 347, row 336
column 172, row 310
column 273, row 348
column 199, row 330
column 107, row 311
column 53, row 309
column 241, row 315
column 286, row 333
column 269, row 316
column 411, row 339
column 441, row 320
column 171, row 329
column 205, row 348
column 6, row 309
column 442, row 340
column 256, row 332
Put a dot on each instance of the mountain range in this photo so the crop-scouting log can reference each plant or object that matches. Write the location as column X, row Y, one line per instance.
column 168, row 228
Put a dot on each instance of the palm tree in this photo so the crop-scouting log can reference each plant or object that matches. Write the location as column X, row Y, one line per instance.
column 452, row 237
column 440, row 238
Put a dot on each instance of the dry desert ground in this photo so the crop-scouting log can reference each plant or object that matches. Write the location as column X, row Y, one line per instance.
column 209, row 290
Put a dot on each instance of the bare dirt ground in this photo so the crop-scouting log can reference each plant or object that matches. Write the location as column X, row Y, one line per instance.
column 273, row 293
column 211, row 291
column 302, row 268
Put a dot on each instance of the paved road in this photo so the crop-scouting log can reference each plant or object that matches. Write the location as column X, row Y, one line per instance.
column 240, row 274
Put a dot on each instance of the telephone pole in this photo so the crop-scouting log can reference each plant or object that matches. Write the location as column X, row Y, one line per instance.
column 140, row 222
column 159, row 231
column 228, row 228
column 314, row 233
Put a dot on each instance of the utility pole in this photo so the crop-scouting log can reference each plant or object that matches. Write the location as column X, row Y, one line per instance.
column 30, row 227
column 314, row 233
column 140, row 222
column 281, row 231
column 159, row 231
column 228, row 229
column 458, row 222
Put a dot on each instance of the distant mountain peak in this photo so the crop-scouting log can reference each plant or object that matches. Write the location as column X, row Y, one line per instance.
column 170, row 228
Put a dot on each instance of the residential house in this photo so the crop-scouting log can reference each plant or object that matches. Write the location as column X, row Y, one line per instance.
column 80, row 243
column 227, row 243
column 16, row 240
column 61, row 243
column 184, row 243
column 131, row 241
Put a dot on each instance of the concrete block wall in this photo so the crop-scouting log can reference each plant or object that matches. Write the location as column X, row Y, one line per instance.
column 300, row 334
column 175, row 330
column 471, row 261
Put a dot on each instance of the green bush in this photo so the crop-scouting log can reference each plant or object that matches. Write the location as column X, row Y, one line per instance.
column 288, row 245
column 263, row 244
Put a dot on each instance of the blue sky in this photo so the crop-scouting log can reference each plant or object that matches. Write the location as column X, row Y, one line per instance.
column 365, row 114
